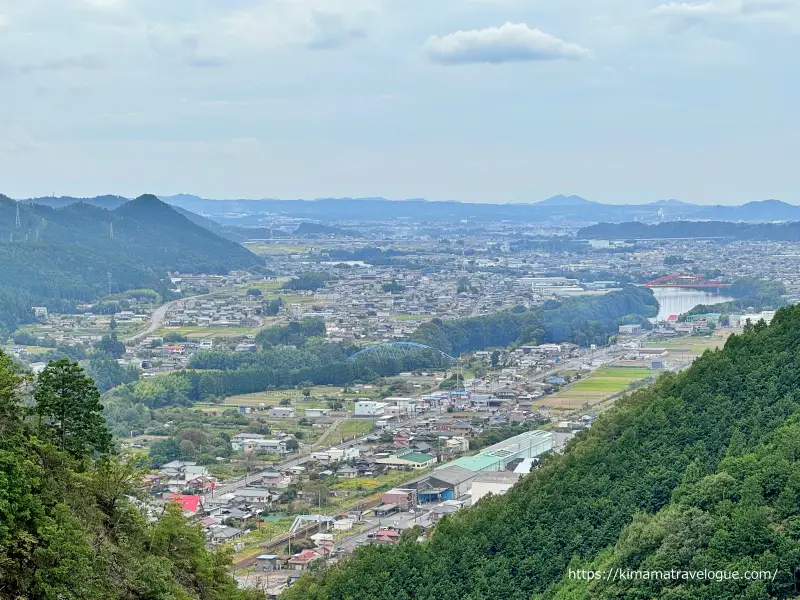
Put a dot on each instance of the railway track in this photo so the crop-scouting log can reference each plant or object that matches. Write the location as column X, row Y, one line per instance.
column 305, row 531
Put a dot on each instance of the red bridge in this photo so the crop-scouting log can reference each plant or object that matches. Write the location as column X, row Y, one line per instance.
column 686, row 281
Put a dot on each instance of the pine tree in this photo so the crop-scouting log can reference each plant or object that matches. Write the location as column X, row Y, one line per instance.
column 69, row 410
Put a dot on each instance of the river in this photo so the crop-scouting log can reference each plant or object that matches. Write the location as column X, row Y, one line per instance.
column 676, row 301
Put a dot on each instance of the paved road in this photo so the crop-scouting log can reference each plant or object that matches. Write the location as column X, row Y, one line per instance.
column 242, row 482
column 156, row 320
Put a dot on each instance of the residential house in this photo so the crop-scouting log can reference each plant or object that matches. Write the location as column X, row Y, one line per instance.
column 301, row 561
column 190, row 504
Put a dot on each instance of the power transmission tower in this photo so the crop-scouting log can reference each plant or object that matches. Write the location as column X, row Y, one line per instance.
column 111, row 231
column 109, row 282
column 18, row 222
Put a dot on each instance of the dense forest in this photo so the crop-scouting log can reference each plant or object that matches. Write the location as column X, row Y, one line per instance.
column 59, row 257
column 583, row 321
column 70, row 523
column 788, row 232
column 699, row 471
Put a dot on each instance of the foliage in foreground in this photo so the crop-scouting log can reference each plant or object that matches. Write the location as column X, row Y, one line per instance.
column 69, row 529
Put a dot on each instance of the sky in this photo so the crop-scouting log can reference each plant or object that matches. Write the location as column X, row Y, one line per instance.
column 472, row 100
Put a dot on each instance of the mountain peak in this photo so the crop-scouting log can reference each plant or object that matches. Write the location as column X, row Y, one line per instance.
column 562, row 200
column 147, row 205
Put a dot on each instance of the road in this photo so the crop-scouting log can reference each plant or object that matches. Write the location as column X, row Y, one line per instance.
column 156, row 320
column 242, row 482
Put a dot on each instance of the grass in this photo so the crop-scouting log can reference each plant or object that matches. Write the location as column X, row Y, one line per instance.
column 277, row 248
column 349, row 429
column 273, row 397
column 597, row 386
column 208, row 332
column 691, row 347
column 266, row 531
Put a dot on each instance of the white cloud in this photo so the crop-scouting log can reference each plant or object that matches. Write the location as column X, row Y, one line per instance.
column 510, row 42
column 318, row 24
column 724, row 11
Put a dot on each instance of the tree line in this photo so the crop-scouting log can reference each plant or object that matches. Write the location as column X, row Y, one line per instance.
column 582, row 320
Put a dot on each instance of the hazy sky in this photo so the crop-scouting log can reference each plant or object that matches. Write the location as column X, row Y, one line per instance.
column 476, row 100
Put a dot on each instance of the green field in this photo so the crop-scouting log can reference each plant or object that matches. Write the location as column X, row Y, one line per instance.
column 198, row 333
column 611, row 379
column 277, row 248
column 596, row 387
column 691, row 347
column 273, row 397
column 350, row 429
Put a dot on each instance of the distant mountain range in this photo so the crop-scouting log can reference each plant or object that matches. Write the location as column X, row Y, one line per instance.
column 558, row 209
column 223, row 216
column 786, row 231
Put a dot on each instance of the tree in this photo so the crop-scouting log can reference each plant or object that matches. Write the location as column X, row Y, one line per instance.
column 164, row 451
column 292, row 445
column 110, row 346
column 495, row 358
column 69, row 410
column 253, row 293
column 112, row 324
column 188, row 450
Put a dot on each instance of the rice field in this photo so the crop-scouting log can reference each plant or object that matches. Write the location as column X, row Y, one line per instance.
column 596, row 387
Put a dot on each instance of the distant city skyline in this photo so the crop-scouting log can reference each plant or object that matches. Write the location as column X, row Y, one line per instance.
column 494, row 101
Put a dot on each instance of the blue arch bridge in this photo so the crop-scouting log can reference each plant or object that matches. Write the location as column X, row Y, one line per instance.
column 398, row 350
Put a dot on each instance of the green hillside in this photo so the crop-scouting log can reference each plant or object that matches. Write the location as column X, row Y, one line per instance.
column 697, row 472
column 60, row 255
column 71, row 527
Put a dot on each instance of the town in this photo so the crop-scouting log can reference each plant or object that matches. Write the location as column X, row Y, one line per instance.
column 290, row 475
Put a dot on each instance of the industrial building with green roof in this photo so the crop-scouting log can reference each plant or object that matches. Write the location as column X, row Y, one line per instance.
column 495, row 458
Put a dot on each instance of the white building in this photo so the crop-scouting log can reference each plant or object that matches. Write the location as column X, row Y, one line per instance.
column 497, row 483
column 370, row 408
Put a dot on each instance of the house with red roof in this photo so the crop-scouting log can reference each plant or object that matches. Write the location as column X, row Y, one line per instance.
column 190, row 504
column 301, row 561
column 387, row 536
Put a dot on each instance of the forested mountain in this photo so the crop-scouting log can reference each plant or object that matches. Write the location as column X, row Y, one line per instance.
column 109, row 202
column 698, row 472
column 789, row 232
column 65, row 254
column 71, row 526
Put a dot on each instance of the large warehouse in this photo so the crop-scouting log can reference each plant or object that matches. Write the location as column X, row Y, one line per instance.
column 455, row 479
column 496, row 458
